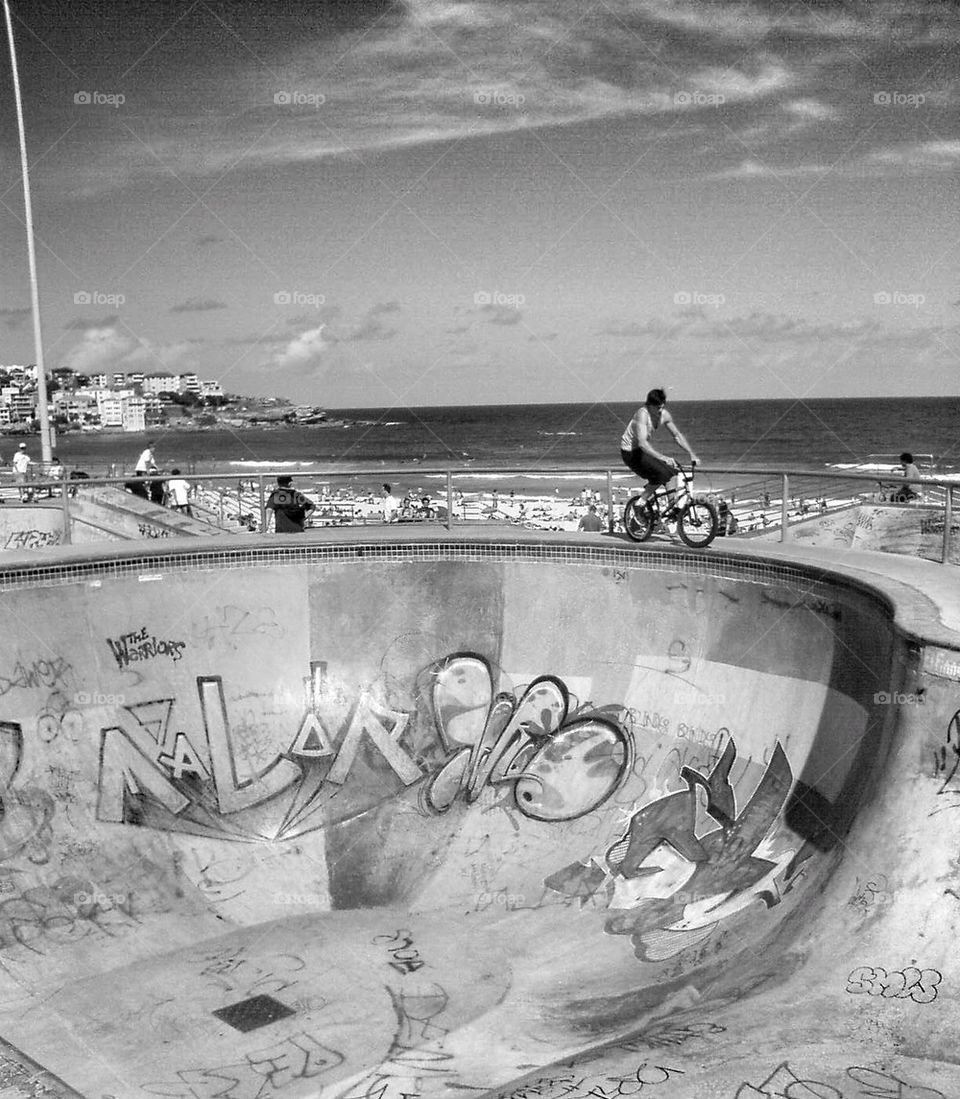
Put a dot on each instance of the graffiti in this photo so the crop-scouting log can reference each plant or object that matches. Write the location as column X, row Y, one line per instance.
column 872, row 895
column 232, row 624
column 409, row 1066
column 674, row 887
column 573, row 1085
column 152, row 773
column 884, row 1085
column 33, row 539
column 561, row 765
column 919, row 985
column 405, row 956
column 662, row 1034
column 783, row 1083
column 948, row 757
column 65, row 911
column 230, row 971
column 59, row 716
column 298, row 1057
column 45, row 673
column 26, row 824
column 133, row 647
column 147, row 530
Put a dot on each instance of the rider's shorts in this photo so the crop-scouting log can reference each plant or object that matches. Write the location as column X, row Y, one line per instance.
column 649, row 468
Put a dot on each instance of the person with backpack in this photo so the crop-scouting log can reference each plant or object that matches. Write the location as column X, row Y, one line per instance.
column 289, row 506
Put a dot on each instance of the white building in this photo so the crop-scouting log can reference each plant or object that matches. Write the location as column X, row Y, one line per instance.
column 210, row 388
column 161, row 382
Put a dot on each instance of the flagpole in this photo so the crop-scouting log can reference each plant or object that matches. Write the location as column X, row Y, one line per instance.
column 44, row 416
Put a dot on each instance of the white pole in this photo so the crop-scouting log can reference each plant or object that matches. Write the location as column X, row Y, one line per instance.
column 45, row 448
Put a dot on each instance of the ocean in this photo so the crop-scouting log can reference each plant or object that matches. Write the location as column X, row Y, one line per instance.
column 553, row 441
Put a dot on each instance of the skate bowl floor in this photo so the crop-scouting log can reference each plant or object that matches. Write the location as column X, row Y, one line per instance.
column 435, row 815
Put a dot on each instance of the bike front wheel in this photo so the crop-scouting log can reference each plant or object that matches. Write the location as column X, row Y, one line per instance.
column 638, row 519
column 698, row 524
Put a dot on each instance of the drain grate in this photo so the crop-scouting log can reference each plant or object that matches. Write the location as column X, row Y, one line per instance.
column 254, row 1013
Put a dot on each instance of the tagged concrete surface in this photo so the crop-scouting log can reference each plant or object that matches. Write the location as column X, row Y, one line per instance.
column 381, row 820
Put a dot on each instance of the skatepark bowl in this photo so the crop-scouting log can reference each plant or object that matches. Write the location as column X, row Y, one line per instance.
column 530, row 814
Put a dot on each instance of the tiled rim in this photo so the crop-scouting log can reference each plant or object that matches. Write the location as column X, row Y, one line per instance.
column 130, row 565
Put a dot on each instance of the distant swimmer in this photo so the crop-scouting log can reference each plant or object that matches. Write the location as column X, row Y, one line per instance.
column 640, row 455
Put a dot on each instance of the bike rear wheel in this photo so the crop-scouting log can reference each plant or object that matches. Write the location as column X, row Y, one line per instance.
column 698, row 523
column 638, row 519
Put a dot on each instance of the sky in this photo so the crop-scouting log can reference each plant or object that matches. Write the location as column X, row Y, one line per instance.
column 371, row 203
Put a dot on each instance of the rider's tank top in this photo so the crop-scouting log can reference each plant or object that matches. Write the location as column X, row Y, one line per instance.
column 629, row 440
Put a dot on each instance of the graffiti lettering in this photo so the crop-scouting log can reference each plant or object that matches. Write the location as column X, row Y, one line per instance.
column 406, row 957
column 668, row 907
column 33, row 539
column 133, row 647
column 883, row 1085
column 233, row 973
column 300, row 1057
column 147, row 530
column 783, row 1083
column 47, row 673
column 232, row 623
column 872, row 894
column 919, row 985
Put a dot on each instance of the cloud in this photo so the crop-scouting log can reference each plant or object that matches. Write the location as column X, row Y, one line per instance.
column 208, row 239
column 372, row 326
column 106, row 347
column 198, row 305
column 303, row 352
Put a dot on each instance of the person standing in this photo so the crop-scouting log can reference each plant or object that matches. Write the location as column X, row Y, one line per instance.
column 591, row 521
column 911, row 479
column 178, row 493
column 390, row 505
column 289, row 506
column 145, row 461
column 21, row 469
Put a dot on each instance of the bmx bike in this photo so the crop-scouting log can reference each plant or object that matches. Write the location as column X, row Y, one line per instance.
column 697, row 519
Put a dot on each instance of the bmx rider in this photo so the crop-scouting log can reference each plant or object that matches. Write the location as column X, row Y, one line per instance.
column 640, row 455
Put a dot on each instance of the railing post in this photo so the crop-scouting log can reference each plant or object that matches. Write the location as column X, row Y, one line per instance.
column 65, row 506
column 947, row 521
column 263, row 505
column 449, row 500
column 610, row 501
column 784, row 507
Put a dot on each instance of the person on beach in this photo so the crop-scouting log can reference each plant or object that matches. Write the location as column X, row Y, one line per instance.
column 640, row 455
column 911, row 475
column 21, row 470
column 289, row 506
column 178, row 493
column 389, row 504
column 145, row 461
column 591, row 521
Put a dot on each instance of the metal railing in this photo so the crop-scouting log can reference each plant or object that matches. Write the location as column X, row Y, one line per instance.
column 769, row 499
